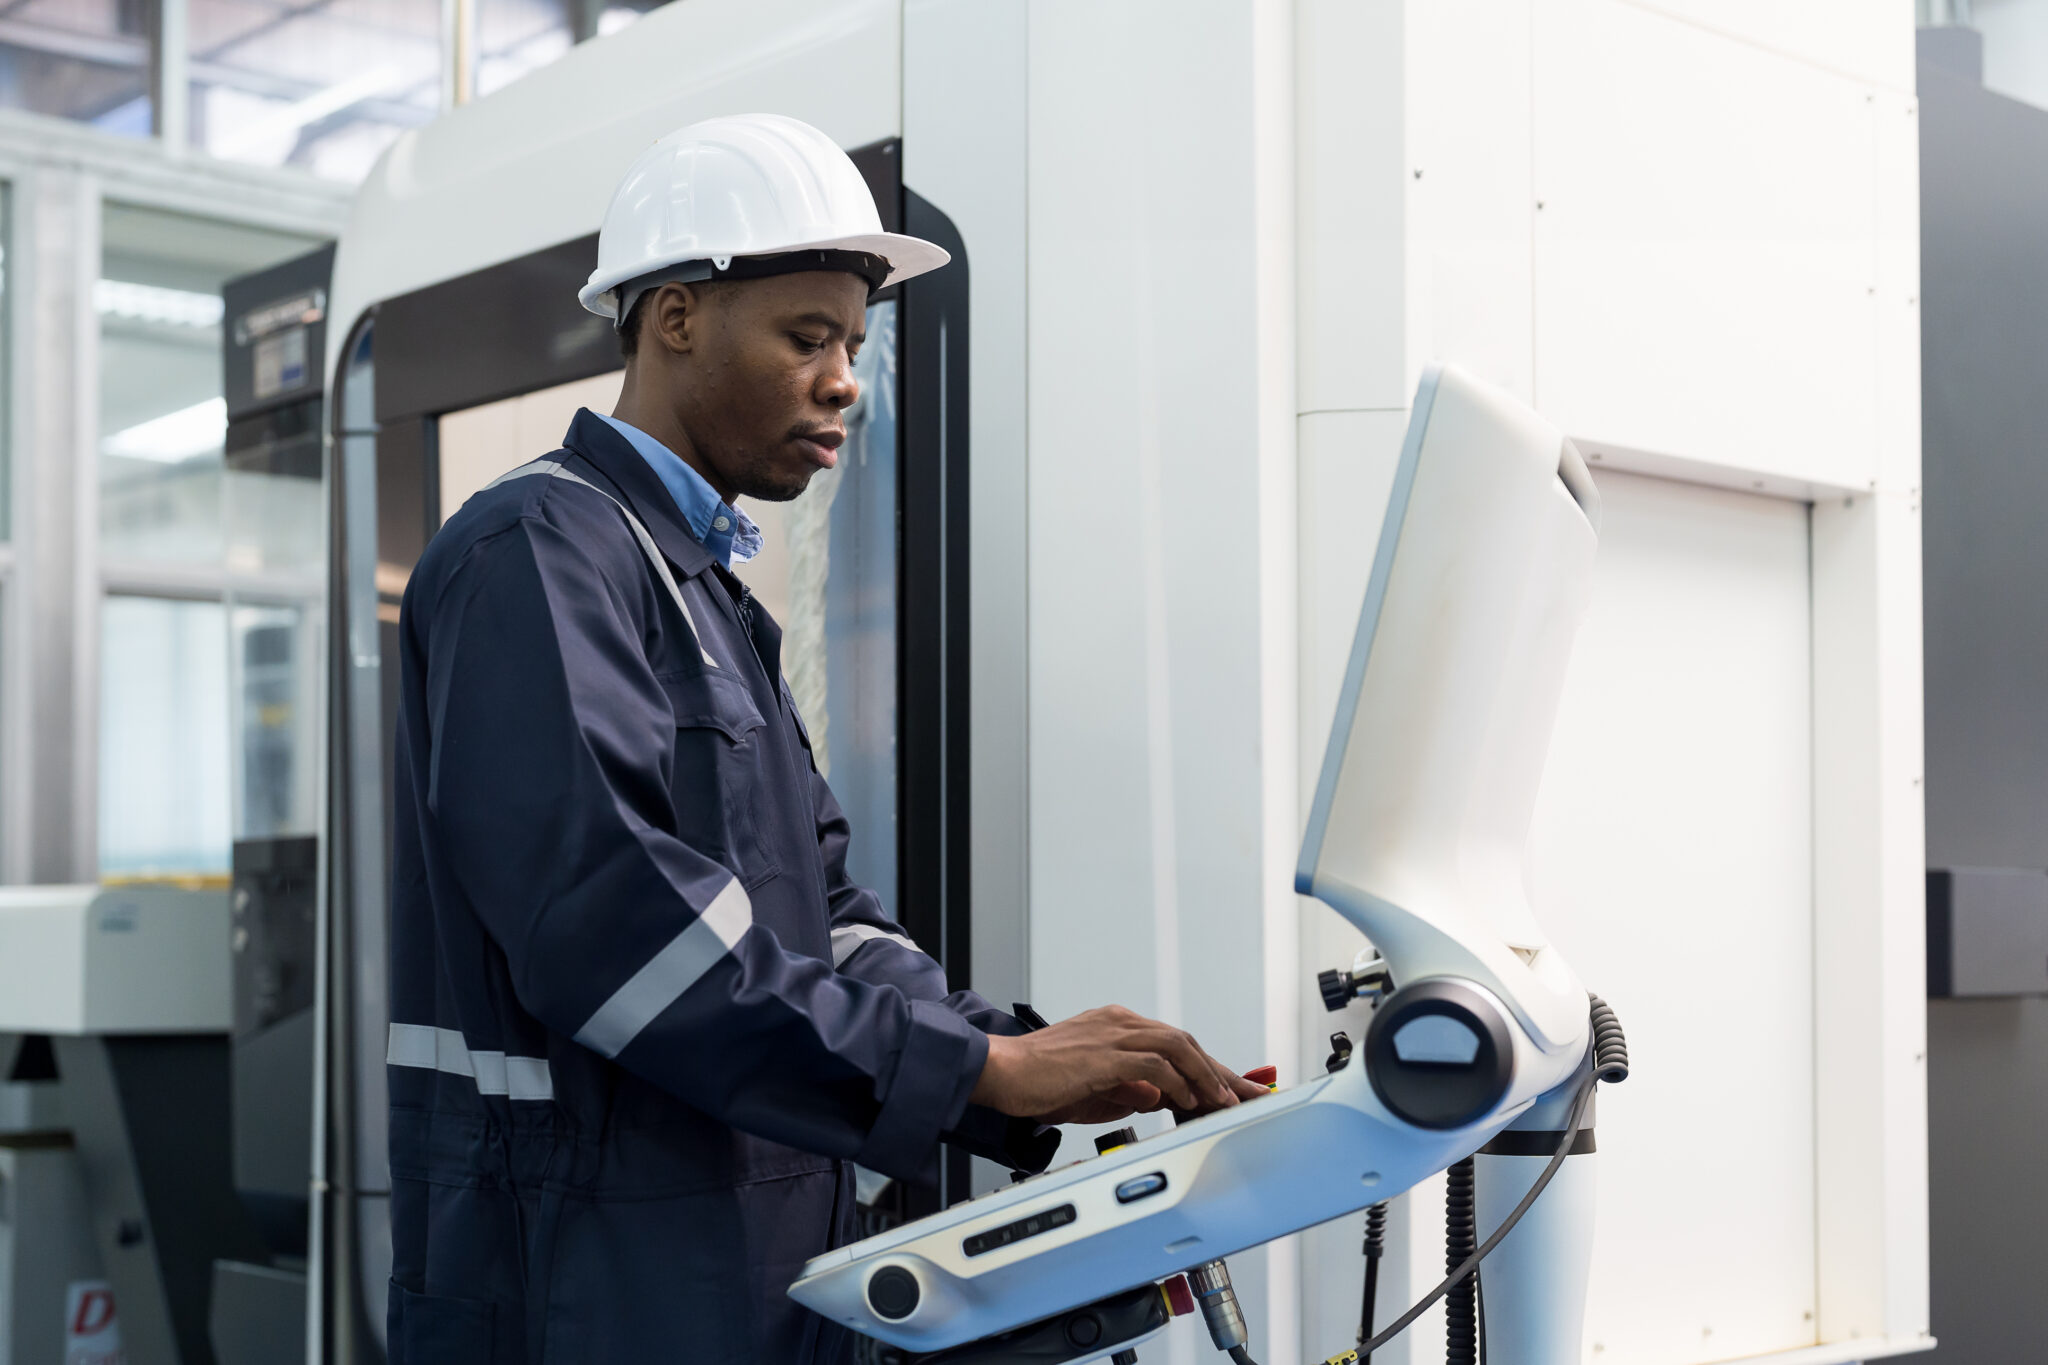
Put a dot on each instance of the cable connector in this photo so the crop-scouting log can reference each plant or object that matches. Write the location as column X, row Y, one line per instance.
column 1211, row 1283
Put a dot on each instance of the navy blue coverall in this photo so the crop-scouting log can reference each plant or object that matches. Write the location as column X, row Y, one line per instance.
column 642, row 1019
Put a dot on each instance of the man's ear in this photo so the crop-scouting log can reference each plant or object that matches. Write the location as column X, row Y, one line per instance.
column 675, row 317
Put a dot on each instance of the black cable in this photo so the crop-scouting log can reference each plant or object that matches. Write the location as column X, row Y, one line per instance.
column 1241, row 1356
column 1571, row 1132
column 1480, row 1281
column 1610, row 1064
column 1375, row 1245
column 1610, row 1048
column 1461, row 1237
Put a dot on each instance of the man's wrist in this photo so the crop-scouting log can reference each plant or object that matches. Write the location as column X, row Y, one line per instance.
column 989, row 1085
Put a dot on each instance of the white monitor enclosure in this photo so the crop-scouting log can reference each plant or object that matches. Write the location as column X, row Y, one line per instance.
column 1419, row 831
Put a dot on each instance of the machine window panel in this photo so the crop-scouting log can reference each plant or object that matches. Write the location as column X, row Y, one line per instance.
column 164, row 751
column 276, row 721
column 858, row 706
column 827, row 572
column 6, row 370
column 325, row 88
column 86, row 60
column 478, row 444
column 274, row 525
column 6, row 683
column 162, row 418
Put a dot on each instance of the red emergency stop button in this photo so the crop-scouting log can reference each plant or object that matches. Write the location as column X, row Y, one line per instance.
column 1180, row 1300
column 1268, row 1076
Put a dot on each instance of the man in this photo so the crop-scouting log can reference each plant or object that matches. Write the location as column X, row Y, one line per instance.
column 643, row 1020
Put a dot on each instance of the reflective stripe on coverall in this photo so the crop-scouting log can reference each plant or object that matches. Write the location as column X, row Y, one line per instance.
column 642, row 1019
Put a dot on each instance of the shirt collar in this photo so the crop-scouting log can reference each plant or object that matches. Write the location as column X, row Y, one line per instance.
column 725, row 531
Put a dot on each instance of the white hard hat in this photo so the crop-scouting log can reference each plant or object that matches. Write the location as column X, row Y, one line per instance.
column 737, row 198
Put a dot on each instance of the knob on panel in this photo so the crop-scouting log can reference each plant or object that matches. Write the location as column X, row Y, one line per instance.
column 893, row 1293
column 1336, row 989
column 1109, row 1142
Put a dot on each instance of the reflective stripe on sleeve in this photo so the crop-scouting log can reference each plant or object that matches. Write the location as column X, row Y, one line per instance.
column 443, row 1049
column 847, row 940
column 669, row 973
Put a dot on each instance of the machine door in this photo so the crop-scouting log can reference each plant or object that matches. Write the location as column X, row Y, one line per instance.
column 444, row 389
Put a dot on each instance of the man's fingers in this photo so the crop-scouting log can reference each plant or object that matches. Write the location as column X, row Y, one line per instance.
column 1237, row 1084
column 1138, row 1096
column 1206, row 1078
column 1226, row 1079
column 1200, row 1069
column 1157, row 1070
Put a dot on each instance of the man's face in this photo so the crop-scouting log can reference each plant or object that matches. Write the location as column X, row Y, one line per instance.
column 761, row 372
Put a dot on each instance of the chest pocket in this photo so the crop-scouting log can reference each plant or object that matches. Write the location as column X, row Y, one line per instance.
column 717, row 778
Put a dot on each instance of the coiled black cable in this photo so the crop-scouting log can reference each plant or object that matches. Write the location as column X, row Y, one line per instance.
column 1375, row 1248
column 1461, row 1239
column 1610, row 1048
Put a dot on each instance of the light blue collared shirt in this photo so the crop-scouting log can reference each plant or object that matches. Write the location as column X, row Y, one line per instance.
column 725, row 531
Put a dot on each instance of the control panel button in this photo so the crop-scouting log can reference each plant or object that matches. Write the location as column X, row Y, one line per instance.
column 1140, row 1187
column 1106, row 1143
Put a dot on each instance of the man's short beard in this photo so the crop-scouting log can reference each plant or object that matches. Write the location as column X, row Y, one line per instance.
column 763, row 483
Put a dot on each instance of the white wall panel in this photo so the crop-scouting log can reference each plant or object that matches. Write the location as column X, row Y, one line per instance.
column 1469, row 285
column 1870, row 919
column 1154, row 462
column 964, row 138
column 1673, row 864
column 1870, row 40
column 1897, row 300
column 1352, row 203
column 1705, row 270
column 1143, row 498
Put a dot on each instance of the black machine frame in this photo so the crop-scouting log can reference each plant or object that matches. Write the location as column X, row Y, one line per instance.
column 426, row 364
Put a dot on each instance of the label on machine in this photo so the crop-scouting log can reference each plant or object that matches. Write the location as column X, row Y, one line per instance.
column 92, row 1334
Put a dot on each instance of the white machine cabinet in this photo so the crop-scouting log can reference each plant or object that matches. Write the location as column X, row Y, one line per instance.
column 114, row 959
column 131, row 987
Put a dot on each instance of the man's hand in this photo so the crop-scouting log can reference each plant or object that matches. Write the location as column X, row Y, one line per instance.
column 1101, row 1066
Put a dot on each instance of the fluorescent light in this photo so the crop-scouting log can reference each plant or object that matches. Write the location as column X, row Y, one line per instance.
column 154, row 303
column 174, row 436
column 239, row 142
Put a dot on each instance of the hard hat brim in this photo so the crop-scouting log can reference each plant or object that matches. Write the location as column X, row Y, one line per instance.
column 908, row 257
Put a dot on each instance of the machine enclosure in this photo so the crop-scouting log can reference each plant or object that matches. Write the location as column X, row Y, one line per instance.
column 118, row 959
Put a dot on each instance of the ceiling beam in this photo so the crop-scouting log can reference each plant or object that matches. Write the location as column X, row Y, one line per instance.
column 124, row 51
